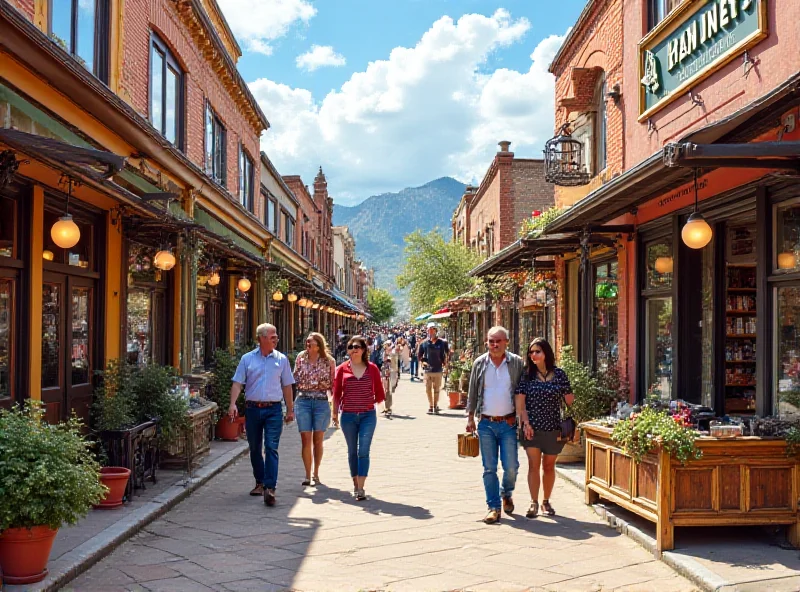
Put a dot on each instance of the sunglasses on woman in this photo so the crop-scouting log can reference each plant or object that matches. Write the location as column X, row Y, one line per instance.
column 535, row 352
column 353, row 346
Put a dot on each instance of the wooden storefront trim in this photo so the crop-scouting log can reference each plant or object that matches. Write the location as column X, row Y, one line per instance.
column 115, row 263
column 35, row 305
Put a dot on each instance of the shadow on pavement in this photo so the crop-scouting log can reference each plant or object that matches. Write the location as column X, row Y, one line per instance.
column 559, row 526
column 372, row 505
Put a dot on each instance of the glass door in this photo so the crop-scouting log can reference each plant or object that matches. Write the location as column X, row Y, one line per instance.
column 68, row 313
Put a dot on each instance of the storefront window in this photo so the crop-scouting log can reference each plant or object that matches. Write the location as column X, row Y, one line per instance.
column 51, row 322
column 140, row 330
column 6, row 324
column 531, row 326
column 707, row 327
column 787, row 238
column 8, row 222
column 787, row 351
column 199, row 345
column 605, row 315
column 658, row 342
column 659, row 266
column 240, row 321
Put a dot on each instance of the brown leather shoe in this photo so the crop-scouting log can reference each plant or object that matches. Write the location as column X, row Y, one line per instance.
column 257, row 490
column 493, row 517
column 508, row 505
column 269, row 497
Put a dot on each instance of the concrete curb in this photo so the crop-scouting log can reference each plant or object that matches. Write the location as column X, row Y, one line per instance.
column 72, row 564
column 686, row 566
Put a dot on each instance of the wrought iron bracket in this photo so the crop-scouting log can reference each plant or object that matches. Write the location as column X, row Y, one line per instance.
column 9, row 166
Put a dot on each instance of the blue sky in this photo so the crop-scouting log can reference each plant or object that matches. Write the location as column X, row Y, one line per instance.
column 378, row 118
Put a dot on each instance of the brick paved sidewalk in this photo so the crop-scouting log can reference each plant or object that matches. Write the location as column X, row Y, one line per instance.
column 420, row 529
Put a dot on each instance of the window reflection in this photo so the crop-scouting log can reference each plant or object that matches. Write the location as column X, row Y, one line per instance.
column 605, row 313
column 6, row 320
column 658, row 342
column 659, row 266
column 787, row 239
column 787, row 355
column 51, row 322
column 80, row 335
column 199, row 345
column 240, row 322
column 7, row 226
column 140, row 329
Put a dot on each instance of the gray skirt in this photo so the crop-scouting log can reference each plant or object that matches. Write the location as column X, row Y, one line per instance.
column 545, row 440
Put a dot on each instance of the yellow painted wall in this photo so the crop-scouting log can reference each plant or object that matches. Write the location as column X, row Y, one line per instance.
column 113, row 275
column 35, row 307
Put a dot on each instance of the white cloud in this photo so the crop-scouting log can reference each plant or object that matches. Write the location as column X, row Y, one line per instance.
column 257, row 23
column 319, row 56
column 425, row 112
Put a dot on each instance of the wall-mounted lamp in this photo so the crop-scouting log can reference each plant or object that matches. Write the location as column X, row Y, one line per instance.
column 615, row 93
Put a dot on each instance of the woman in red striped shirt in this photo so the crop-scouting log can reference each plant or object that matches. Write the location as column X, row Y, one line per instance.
column 357, row 388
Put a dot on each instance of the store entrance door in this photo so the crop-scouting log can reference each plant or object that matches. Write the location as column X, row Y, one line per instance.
column 68, row 319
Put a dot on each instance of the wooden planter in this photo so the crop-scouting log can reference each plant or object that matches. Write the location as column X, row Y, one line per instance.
column 744, row 481
column 194, row 441
column 135, row 449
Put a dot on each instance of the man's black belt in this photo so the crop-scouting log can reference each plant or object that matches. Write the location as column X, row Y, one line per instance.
column 261, row 404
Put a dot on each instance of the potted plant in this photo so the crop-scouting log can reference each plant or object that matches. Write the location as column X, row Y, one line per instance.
column 219, row 390
column 453, row 385
column 466, row 371
column 113, row 413
column 49, row 477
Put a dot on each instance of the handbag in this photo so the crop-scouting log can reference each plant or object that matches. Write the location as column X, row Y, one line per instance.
column 567, row 423
column 468, row 446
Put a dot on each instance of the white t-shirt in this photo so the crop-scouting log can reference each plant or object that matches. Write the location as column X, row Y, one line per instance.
column 497, row 400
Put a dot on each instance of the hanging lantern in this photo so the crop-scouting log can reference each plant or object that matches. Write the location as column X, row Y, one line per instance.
column 48, row 255
column 213, row 279
column 65, row 233
column 314, row 305
column 277, row 296
column 302, row 302
column 663, row 264
column 563, row 160
column 164, row 260
column 696, row 233
column 292, row 297
column 243, row 284
column 787, row 260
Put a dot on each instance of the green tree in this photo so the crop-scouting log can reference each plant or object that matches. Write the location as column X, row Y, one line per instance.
column 435, row 270
column 381, row 304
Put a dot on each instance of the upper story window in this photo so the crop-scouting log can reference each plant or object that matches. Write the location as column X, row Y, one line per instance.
column 600, row 125
column 659, row 9
column 289, row 230
column 246, row 194
column 215, row 147
column 81, row 28
column 166, row 92
column 272, row 215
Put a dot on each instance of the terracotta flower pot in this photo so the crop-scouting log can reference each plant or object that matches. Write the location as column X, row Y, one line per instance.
column 227, row 429
column 24, row 553
column 116, row 479
column 455, row 398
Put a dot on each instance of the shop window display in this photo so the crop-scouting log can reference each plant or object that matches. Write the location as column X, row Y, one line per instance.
column 81, row 363
column 605, row 315
column 200, row 329
column 240, row 324
column 659, row 266
column 787, row 238
column 787, row 350
column 659, row 343
column 6, row 324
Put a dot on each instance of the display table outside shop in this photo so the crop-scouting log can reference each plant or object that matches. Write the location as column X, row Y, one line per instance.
column 741, row 481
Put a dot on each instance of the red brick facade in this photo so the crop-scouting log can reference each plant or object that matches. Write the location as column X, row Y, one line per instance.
column 305, row 229
column 201, row 83
column 324, row 204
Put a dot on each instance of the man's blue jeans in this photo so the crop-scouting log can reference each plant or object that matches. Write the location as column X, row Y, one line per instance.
column 264, row 425
column 494, row 436
column 358, row 429
column 414, row 371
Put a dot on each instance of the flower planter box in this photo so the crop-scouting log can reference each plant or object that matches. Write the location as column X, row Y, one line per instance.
column 194, row 441
column 135, row 449
column 743, row 481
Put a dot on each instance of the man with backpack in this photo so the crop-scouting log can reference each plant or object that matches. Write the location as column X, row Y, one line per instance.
column 434, row 354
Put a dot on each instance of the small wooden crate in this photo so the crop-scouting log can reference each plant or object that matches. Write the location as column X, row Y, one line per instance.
column 468, row 446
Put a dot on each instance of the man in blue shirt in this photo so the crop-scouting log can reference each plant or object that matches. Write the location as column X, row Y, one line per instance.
column 266, row 375
column 434, row 354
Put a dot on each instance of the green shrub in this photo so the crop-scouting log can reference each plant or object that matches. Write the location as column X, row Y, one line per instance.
column 219, row 391
column 652, row 428
column 48, row 473
column 592, row 398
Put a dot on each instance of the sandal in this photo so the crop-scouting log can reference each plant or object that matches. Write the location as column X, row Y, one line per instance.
column 533, row 511
column 315, row 481
column 360, row 495
column 306, row 483
column 547, row 508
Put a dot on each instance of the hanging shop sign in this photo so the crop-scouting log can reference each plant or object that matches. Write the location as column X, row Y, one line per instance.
column 698, row 39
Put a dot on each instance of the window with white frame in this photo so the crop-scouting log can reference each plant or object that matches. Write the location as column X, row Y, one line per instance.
column 215, row 146
column 166, row 92
column 246, row 193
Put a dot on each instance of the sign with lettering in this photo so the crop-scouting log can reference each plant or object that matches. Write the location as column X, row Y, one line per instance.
column 696, row 40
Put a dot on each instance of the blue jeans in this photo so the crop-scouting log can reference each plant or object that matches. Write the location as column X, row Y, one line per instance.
column 312, row 415
column 264, row 425
column 358, row 429
column 414, row 366
column 494, row 435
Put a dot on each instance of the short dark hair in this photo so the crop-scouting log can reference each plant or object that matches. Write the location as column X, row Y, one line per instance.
column 549, row 357
column 364, row 351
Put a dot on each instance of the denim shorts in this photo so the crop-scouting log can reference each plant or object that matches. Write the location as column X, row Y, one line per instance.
column 312, row 415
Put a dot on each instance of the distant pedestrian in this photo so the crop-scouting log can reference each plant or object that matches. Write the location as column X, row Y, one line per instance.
column 413, row 356
column 391, row 373
column 433, row 353
column 357, row 389
column 539, row 397
column 313, row 370
column 266, row 375
column 492, row 385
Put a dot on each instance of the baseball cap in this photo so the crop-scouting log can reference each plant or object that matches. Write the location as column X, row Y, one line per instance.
column 433, row 325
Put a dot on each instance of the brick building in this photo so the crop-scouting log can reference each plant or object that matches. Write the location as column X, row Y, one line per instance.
column 488, row 218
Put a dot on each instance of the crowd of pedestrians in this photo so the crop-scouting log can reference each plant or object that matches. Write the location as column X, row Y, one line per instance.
column 512, row 401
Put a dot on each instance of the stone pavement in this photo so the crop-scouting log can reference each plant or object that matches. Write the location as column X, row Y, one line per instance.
column 420, row 529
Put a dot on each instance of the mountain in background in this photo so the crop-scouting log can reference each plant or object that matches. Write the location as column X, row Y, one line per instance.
column 380, row 222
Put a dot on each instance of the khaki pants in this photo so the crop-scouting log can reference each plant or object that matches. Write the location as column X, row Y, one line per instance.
column 433, row 384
